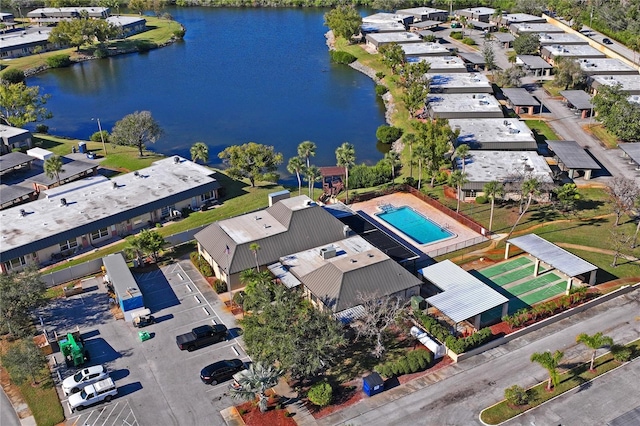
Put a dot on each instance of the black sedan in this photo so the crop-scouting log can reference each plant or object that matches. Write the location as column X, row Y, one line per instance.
column 220, row 371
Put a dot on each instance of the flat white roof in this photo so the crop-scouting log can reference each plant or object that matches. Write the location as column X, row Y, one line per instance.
column 573, row 50
column 456, row 80
column 441, row 63
column 402, row 37
column 10, row 131
column 420, row 11
column 122, row 20
column 464, row 296
column 12, row 40
column 464, row 102
column 383, row 17
column 478, row 10
column 519, row 17
column 485, row 166
column 528, row 28
column 628, row 83
column 58, row 10
column 478, row 130
column 425, row 49
column 39, row 153
column 560, row 38
column 371, row 27
column 605, row 65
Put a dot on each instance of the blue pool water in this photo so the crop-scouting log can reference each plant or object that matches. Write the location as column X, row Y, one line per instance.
column 413, row 224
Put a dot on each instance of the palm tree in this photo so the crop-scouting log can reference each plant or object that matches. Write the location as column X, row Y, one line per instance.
column 594, row 342
column 420, row 152
column 512, row 56
column 492, row 190
column 199, row 151
column 295, row 166
column 457, row 179
column 346, row 157
column 306, row 150
column 312, row 174
column 393, row 159
column 462, row 152
column 530, row 187
column 550, row 363
column 53, row 167
column 410, row 138
column 255, row 381
column 254, row 247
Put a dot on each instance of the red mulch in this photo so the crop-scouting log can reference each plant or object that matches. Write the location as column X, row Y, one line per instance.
column 501, row 329
column 252, row 416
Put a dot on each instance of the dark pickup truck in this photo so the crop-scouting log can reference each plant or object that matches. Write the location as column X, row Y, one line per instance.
column 202, row 336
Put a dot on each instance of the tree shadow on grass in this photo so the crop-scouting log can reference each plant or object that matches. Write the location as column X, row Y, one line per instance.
column 45, row 143
column 231, row 188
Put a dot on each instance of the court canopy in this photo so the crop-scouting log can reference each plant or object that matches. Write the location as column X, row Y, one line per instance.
column 463, row 295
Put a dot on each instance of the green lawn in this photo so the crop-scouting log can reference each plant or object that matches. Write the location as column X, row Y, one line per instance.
column 600, row 132
column 541, row 130
column 43, row 402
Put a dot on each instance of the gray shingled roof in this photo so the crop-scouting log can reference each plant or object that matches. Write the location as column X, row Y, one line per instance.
column 339, row 291
column 573, row 155
column 464, row 296
column 305, row 228
column 565, row 262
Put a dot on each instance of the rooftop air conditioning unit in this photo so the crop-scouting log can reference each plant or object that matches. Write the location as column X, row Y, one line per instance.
column 328, row 252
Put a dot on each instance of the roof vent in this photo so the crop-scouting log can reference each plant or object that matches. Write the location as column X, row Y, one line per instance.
column 308, row 202
column 115, row 185
column 266, row 226
column 23, row 212
column 136, row 173
column 63, row 201
column 352, row 260
column 176, row 159
column 505, row 122
column 328, row 252
column 257, row 218
column 370, row 255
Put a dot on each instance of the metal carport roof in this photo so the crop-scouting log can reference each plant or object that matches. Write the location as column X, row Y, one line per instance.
column 565, row 262
column 520, row 97
column 573, row 155
column 578, row 98
column 534, row 62
column 632, row 150
column 472, row 58
column 464, row 296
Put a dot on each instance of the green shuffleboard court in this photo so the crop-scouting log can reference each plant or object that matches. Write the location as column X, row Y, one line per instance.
column 546, row 293
column 516, row 275
column 503, row 267
column 533, row 284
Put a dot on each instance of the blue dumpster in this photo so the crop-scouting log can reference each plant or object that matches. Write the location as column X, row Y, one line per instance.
column 82, row 147
column 372, row 384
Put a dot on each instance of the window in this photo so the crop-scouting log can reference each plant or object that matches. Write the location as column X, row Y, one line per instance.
column 100, row 233
column 69, row 244
column 15, row 263
column 207, row 196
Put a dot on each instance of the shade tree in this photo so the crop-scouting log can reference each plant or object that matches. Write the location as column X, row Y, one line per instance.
column 252, row 161
column 20, row 292
column 137, row 130
column 199, row 151
column 344, row 21
column 21, row 104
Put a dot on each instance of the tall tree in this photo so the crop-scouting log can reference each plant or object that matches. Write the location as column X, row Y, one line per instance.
column 53, row 167
column 346, row 157
column 20, row 292
column 409, row 139
column 138, row 6
column 550, row 363
column 527, row 44
column 623, row 193
column 344, row 21
column 393, row 159
column 253, row 161
column 414, row 97
column 24, row 360
column 149, row 243
column 378, row 314
column 21, row 104
column 594, row 342
column 255, row 247
column 489, row 56
column 619, row 116
column 492, row 190
column 567, row 196
column 420, row 154
column 312, row 175
column 530, row 187
column 569, row 73
column 437, row 138
column 306, row 150
column 457, row 179
column 392, row 56
column 254, row 383
column 138, row 129
column 296, row 165
column 199, row 151
column 462, row 152
column 511, row 77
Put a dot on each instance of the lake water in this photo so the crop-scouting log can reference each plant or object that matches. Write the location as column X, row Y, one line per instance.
column 239, row 75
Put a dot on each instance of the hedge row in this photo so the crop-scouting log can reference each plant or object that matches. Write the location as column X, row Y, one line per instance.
column 200, row 263
column 342, row 57
column 414, row 361
column 444, row 335
column 547, row 309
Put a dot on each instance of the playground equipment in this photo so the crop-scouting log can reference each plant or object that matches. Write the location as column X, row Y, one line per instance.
column 72, row 347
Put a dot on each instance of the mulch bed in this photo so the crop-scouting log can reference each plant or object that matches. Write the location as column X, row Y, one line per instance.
column 252, row 416
column 344, row 396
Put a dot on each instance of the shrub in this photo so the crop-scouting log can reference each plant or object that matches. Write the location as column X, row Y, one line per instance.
column 145, row 45
column 410, row 181
column 516, row 395
column 59, row 61
column 481, row 200
column 97, row 136
column 388, row 134
column 238, row 298
column 200, row 263
column 342, row 57
column 468, row 41
column 403, row 366
column 457, row 35
column 621, row 353
column 13, row 76
column 219, row 286
column 101, row 52
column 385, row 370
column 320, row 394
column 179, row 33
column 380, row 75
column 42, row 128
column 381, row 90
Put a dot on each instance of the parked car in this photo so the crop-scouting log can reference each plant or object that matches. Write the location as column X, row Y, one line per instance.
column 607, row 41
column 103, row 390
column 202, row 336
column 82, row 378
column 220, row 371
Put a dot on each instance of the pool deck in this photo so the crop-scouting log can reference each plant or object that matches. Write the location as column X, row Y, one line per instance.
column 400, row 199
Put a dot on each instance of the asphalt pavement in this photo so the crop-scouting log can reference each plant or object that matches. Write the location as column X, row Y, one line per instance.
column 8, row 416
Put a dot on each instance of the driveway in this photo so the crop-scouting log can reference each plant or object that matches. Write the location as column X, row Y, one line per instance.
column 458, row 393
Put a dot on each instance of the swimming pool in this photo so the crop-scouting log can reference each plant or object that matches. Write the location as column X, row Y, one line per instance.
column 416, row 226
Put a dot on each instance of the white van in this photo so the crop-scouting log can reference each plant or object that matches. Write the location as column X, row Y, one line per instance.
column 103, row 390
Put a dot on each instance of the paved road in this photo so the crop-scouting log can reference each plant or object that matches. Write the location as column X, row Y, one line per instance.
column 456, row 394
column 8, row 416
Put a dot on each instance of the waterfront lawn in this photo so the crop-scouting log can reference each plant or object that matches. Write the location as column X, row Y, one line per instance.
column 576, row 377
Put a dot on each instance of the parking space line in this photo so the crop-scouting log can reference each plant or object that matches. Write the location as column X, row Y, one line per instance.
column 114, row 409
column 198, row 289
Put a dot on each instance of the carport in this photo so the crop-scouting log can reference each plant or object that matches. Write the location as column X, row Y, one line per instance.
column 580, row 100
column 128, row 295
column 463, row 295
column 573, row 158
column 504, row 38
column 558, row 258
column 631, row 151
column 474, row 59
column 520, row 100
column 538, row 66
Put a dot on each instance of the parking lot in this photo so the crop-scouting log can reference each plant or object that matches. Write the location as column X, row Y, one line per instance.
column 157, row 383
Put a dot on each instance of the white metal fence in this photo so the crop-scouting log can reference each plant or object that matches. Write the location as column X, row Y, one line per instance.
column 72, row 273
column 457, row 246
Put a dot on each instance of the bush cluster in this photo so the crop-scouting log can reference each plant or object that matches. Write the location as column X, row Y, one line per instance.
column 363, row 176
column 200, row 263
column 97, row 136
column 219, row 286
column 456, row 35
column 621, row 353
column 238, row 298
column 42, row 128
column 516, row 395
column 388, row 134
column 432, row 326
column 342, row 57
column 481, row 199
column 468, row 41
column 13, row 76
column 101, row 52
column 414, row 361
column 59, row 61
column 320, row 394
column 464, row 344
column 381, row 90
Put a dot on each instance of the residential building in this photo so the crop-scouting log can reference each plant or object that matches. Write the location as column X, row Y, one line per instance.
column 376, row 40
column 459, row 83
column 629, row 84
column 14, row 138
column 421, row 14
column 606, row 66
column 560, row 39
column 507, row 19
column 424, row 49
column 482, row 14
column 53, row 15
column 535, row 28
column 23, row 43
column 128, row 25
column 377, row 18
column 550, row 53
column 441, row 64
column 463, row 105
column 494, row 134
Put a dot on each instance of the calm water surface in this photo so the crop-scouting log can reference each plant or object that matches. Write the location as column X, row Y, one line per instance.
column 240, row 75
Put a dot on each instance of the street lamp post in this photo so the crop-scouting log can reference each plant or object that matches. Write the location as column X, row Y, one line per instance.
column 104, row 147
